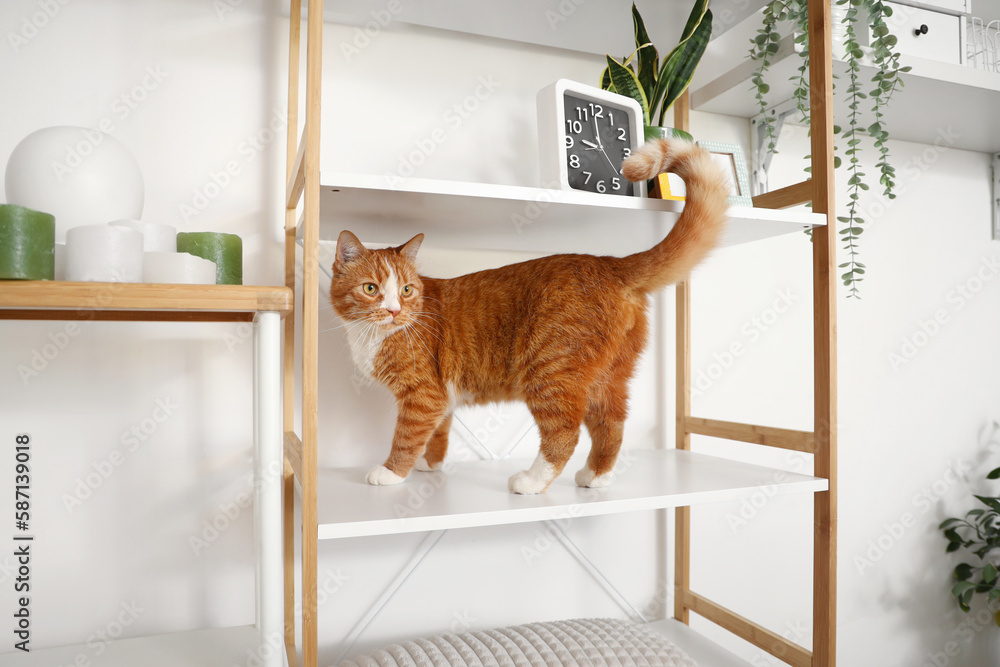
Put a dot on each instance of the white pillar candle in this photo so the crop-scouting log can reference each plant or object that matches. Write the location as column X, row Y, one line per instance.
column 177, row 268
column 156, row 236
column 103, row 253
column 60, row 261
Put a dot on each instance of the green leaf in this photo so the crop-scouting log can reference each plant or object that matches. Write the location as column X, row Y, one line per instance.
column 679, row 65
column 992, row 503
column 993, row 474
column 626, row 83
column 989, row 573
column 606, row 83
column 641, row 36
column 963, row 572
column 695, row 19
column 648, row 60
column 947, row 522
column 962, row 591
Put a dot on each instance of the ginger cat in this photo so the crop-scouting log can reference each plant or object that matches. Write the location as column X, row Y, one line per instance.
column 562, row 333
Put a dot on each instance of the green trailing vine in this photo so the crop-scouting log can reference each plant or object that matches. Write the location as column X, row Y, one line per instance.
column 886, row 80
column 763, row 50
column 852, row 141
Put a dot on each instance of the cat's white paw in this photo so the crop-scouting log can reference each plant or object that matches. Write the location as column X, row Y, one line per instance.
column 423, row 466
column 382, row 476
column 533, row 480
column 586, row 478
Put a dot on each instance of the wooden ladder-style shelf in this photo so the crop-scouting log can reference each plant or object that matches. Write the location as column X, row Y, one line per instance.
column 306, row 194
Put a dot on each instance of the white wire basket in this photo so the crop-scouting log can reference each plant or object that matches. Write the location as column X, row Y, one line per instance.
column 982, row 44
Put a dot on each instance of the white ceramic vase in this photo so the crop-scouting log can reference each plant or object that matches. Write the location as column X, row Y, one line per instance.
column 81, row 176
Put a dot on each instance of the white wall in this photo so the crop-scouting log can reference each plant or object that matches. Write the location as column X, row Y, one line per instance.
column 902, row 429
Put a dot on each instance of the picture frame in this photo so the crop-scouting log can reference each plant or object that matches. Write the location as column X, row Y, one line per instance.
column 671, row 186
column 730, row 158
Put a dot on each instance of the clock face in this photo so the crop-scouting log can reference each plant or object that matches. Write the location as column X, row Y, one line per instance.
column 598, row 137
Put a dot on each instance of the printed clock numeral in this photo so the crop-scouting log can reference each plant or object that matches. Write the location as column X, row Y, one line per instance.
column 574, row 160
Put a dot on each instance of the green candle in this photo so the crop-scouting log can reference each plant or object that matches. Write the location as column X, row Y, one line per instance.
column 27, row 244
column 226, row 250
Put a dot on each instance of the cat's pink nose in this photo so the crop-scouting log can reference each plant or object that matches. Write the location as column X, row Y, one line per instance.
column 393, row 312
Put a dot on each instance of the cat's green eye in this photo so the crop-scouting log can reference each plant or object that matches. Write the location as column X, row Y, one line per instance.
column 370, row 289
column 407, row 290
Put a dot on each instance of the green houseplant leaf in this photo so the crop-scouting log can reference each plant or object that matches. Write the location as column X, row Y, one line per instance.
column 627, row 83
column 679, row 65
column 654, row 84
column 978, row 533
column 646, row 55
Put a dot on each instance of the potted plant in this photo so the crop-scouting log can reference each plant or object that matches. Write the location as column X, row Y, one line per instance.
column 977, row 534
column 851, row 19
column 657, row 84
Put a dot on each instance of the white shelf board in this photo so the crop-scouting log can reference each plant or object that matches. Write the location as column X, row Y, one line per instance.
column 201, row 648
column 500, row 217
column 939, row 103
column 475, row 494
column 702, row 650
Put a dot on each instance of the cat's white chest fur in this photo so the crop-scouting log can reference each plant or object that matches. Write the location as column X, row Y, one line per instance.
column 365, row 343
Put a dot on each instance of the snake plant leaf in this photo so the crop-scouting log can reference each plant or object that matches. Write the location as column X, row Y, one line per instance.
column 641, row 36
column 649, row 62
column 626, row 83
column 606, row 82
column 695, row 18
column 647, row 56
column 679, row 66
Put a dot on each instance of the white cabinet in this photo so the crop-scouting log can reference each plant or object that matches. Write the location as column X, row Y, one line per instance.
column 926, row 33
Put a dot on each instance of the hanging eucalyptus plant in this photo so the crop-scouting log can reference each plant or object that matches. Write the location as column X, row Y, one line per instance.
column 884, row 82
column 656, row 85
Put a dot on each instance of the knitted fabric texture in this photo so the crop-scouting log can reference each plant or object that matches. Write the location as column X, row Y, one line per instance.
column 588, row 643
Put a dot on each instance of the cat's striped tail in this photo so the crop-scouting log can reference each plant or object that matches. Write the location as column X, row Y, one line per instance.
column 699, row 226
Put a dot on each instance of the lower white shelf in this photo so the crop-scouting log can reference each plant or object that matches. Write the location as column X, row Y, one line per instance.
column 702, row 650
column 200, row 648
column 466, row 495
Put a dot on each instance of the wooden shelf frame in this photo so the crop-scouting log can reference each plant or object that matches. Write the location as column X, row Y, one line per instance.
column 303, row 193
column 50, row 300
column 264, row 307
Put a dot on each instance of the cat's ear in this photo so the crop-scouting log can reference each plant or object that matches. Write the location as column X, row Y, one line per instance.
column 349, row 247
column 410, row 248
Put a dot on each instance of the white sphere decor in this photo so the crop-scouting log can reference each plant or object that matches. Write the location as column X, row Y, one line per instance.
column 81, row 176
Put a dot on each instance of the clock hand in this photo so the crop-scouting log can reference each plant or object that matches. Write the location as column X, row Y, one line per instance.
column 597, row 134
column 590, row 145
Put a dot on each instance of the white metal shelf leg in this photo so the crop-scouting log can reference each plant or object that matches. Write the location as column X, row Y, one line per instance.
column 267, row 488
